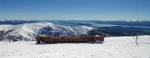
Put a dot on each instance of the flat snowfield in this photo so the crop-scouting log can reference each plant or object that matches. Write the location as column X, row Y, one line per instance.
column 112, row 47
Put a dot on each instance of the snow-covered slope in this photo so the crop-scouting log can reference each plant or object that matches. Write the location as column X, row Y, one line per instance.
column 112, row 47
column 30, row 30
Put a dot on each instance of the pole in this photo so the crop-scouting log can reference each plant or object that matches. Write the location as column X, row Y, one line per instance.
column 9, row 40
column 8, row 37
column 136, row 40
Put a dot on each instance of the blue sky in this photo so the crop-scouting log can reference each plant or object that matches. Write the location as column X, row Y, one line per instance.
column 75, row 9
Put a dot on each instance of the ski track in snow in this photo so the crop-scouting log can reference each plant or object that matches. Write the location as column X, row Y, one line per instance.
column 113, row 47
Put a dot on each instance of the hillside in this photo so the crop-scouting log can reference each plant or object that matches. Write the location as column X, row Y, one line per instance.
column 29, row 31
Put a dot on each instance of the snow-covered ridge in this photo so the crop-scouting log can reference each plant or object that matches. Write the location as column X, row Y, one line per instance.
column 30, row 30
column 14, row 20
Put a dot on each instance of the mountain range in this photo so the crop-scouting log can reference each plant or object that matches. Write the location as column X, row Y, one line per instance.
column 29, row 29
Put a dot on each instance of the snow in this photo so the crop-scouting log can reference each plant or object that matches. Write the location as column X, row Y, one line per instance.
column 30, row 30
column 6, row 27
column 113, row 47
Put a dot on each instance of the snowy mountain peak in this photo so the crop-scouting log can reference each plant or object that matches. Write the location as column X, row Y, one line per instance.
column 30, row 30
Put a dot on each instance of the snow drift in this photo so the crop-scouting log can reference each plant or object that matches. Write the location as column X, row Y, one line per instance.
column 113, row 47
